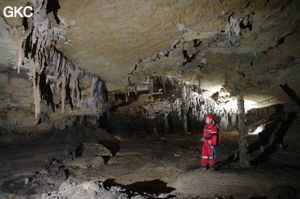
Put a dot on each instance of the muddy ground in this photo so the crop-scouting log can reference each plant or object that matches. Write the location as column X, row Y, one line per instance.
column 168, row 167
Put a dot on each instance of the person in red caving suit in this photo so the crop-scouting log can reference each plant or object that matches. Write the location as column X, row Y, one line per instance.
column 209, row 139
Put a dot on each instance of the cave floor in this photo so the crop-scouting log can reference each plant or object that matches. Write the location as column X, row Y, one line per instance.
column 171, row 161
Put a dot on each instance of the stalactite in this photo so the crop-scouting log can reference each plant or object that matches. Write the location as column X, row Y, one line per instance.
column 19, row 55
column 166, row 123
column 24, row 33
column 97, row 91
column 78, row 91
column 189, row 100
column 44, row 59
column 126, row 97
column 164, row 85
column 63, row 93
column 184, row 97
column 151, row 87
column 134, row 87
column 36, row 93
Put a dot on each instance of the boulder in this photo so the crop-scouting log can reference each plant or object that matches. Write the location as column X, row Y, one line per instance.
column 92, row 149
column 89, row 155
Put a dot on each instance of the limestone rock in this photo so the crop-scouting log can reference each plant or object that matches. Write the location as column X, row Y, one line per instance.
column 85, row 190
column 79, row 163
column 92, row 149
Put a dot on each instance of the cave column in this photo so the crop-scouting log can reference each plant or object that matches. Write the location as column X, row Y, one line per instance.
column 184, row 108
column 242, row 133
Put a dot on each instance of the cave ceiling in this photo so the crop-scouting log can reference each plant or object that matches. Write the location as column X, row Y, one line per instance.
column 249, row 46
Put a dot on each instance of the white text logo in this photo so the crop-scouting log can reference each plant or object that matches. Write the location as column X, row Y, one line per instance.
column 10, row 11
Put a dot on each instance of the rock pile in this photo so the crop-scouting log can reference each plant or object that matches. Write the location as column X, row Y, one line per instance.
column 87, row 190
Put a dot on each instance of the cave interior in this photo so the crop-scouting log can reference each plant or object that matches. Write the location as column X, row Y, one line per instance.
column 109, row 99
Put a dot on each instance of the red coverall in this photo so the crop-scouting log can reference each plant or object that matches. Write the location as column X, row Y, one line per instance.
column 209, row 146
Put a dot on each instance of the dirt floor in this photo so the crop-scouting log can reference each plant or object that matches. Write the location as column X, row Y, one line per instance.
column 168, row 167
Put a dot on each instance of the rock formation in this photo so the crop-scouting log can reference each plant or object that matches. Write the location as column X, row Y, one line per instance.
column 166, row 61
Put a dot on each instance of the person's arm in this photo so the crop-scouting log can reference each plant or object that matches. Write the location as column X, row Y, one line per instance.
column 214, row 136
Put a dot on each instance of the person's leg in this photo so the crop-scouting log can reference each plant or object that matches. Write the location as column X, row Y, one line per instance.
column 212, row 156
column 204, row 154
column 212, row 162
column 204, row 162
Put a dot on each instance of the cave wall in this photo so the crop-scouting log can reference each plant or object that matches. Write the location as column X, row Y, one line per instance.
column 47, row 91
column 157, row 66
column 166, row 106
column 17, row 113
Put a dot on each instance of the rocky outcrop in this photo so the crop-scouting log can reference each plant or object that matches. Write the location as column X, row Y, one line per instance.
column 52, row 72
column 59, row 91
